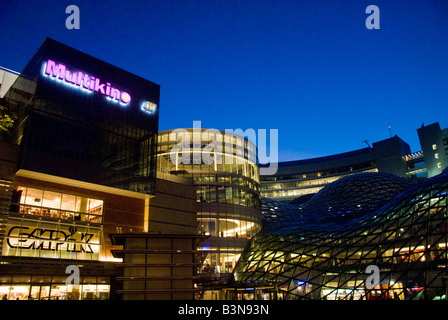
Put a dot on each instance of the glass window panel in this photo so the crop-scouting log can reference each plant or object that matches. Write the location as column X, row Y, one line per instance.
column 212, row 194
column 68, row 202
column 221, row 194
column 52, row 199
column 34, row 197
column 95, row 206
column 236, row 196
column 239, row 142
column 229, row 195
column 44, row 292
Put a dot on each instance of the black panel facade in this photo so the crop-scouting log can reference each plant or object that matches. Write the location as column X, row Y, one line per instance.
column 84, row 119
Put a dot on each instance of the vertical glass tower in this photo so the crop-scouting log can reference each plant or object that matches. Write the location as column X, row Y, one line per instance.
column 224, row 170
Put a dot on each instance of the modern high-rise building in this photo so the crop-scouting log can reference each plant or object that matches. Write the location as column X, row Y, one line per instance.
column 78, row 186
column 225, row 173
column 434, row 143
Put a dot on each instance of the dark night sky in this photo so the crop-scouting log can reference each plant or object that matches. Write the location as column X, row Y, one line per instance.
column 309, row 68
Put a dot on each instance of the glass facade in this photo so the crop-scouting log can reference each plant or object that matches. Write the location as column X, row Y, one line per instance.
column 225, row 174
column 72, row 129
column 322, row 248
column 58, row 205
column 86, row 137
column 50, row 224
column 49, row 287
column 285, row 188
column 304, row 177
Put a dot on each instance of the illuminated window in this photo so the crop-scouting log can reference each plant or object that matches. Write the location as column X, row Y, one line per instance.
column 434, row 147
column 59, row 205
column 439, row 165
column 436, row 155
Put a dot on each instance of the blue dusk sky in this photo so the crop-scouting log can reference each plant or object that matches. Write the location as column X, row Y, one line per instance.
column 308, row 68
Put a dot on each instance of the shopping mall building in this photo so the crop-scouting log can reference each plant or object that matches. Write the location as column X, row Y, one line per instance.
column 78, row 187
column 88, row 183
column 326, row 247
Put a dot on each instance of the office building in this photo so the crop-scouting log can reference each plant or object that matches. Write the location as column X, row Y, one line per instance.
column 298, row 180
column 434, row 143
column 295, row 179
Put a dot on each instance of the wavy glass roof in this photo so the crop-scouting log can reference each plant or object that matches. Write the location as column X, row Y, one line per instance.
column 321, row 248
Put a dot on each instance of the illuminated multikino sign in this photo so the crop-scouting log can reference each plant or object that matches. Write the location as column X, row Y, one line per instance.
column 84, row 81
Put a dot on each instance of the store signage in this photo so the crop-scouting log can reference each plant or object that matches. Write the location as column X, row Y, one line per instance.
column 35, row 238
column 84, row 81
column 148, row 106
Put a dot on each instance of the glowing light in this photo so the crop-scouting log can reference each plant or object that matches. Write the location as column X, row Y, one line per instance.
column 125, row 97
column 148, row 106
column 83, row 81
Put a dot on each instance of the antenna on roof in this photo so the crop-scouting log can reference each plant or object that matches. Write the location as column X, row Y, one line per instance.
column 390, row 132
column 367, row 142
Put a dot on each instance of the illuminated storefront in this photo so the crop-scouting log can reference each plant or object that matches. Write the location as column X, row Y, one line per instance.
column 228, row 190
column 28, row 235
column 53, row 288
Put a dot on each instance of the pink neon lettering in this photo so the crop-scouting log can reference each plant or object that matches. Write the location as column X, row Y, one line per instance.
column 115, row 93
column 79, row 78
column 55, row 72
column 88, row 82
column 70, row 76
column 99, row 86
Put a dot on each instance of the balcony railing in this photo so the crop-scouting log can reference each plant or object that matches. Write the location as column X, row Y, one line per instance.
column 90, row 217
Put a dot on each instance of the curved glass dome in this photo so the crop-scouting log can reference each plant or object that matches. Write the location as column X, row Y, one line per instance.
column 321, row 249
column 335, row 206
column 357, row 193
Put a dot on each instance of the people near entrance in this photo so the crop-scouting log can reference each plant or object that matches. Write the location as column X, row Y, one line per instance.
column 207, row 268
